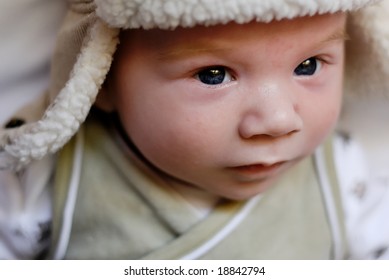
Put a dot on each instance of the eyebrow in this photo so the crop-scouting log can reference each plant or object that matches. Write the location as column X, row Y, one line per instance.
column 191, row 50
column 339, row 35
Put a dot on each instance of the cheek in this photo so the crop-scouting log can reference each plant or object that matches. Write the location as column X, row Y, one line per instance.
column 172, row 135
column 322, row 117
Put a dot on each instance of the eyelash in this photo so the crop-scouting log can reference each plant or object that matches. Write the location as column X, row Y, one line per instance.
column 221, row 75
column 228, row 72
column 317, row 66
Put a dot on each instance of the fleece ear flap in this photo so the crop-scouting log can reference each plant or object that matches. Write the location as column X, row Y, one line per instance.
column 367, row 52
column 69, row 109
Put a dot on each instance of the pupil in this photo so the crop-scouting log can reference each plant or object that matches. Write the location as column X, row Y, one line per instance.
column 212, row 76
column 308, row 67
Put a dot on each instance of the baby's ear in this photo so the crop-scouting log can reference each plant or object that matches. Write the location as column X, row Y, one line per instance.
column 104, row 100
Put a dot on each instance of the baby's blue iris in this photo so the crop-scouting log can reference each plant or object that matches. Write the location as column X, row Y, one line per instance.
column 307, row 67
column 212, row 76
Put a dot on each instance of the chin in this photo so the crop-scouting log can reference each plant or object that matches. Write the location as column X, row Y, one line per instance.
column 247, row 190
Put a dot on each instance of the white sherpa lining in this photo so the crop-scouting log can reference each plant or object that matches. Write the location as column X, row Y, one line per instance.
column 167, row 14
column 367, row 65
column 62, row 120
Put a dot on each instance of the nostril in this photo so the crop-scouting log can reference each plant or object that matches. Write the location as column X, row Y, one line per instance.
column 282, row 124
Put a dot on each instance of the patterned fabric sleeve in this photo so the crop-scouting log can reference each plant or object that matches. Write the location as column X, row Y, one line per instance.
column 25, row 211
column 365, row 195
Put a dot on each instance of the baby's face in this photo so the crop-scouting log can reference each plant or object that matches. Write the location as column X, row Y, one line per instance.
column 230, row 108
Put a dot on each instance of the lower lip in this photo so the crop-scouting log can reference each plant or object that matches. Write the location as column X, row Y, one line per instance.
column 258, row 171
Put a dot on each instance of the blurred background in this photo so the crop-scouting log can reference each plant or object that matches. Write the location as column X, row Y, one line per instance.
column 27, row 30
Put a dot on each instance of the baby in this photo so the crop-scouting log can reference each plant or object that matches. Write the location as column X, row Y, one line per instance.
column 211, row 137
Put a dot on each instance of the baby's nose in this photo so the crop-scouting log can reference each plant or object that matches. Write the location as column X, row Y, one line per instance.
column 275, row 115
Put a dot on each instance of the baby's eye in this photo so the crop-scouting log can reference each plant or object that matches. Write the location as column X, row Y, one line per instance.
column 214, row 75
column 308, row 67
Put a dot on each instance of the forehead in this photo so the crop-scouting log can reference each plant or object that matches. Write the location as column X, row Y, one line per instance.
column 186, row 41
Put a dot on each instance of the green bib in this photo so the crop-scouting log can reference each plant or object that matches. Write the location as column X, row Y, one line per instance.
column 106, row 208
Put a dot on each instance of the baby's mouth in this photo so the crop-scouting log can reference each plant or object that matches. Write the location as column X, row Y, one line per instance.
column 257, row 171
column 260, row 167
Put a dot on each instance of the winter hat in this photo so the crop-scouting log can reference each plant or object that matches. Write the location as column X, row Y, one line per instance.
column 89, row 35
